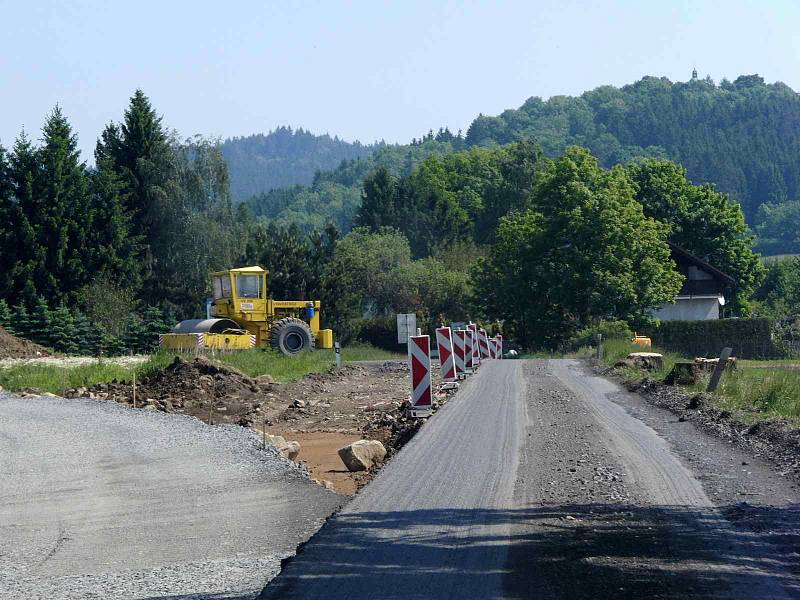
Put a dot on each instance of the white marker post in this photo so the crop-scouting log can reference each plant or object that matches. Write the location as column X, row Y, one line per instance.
column 337, row 348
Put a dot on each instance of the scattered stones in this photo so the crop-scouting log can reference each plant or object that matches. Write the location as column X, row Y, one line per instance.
column 362, row 455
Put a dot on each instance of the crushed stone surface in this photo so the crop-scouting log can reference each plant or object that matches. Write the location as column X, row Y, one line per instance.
column 99, row 501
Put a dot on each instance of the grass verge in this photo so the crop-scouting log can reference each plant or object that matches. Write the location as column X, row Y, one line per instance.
column 284, row 369
column 756, row 389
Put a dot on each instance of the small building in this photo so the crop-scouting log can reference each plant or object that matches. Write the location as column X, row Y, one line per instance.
column 703, row 290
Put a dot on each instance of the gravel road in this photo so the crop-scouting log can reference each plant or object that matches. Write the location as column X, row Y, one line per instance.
column 101, row 501
column 541, row 480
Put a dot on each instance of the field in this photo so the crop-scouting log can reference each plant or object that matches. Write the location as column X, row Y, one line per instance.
column 56, row 379
column 758, row 389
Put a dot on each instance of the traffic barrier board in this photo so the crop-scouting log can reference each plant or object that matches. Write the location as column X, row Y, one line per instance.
column 419, row 351
column 483, row 343
column 444, row 342
column 459, row 347
column 468, row 364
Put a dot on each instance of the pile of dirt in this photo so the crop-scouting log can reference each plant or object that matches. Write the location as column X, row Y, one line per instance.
column 14, row 347
column 200, row 388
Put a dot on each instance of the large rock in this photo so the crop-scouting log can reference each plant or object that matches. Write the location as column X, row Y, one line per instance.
column 362, row 455
column 288, row 449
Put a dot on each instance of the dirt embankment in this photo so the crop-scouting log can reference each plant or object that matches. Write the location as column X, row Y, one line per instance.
column 778, row 440
column 14, row 347
column 322, row 411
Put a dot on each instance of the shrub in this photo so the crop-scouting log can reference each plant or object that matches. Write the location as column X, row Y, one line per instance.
column 610, row 330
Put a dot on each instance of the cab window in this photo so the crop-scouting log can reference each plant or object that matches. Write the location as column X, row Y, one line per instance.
column 226, row 286
column 217, row 281
column 248, row 286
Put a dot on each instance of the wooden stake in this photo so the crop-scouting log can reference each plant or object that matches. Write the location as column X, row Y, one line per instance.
column 134, row 387
column 211, row 408
column 721, row 365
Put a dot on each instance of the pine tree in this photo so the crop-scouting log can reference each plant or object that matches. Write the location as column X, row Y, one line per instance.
column 41, row 324
column 64, row 334
column 84, row 334
column 64, row 218
column 139, row 150
column 22, row 322
column 6, row 317
column 21, row 250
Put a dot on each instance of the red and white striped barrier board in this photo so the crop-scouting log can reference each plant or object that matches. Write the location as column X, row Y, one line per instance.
column 252, row 341
column 468, row 366
column 476, row 351
column 483, row 343
column 459, row 346
column 419, row 354
column 444, row 342
column 490, row 342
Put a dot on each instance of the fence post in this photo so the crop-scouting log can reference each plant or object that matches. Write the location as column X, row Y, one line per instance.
column 721, row 365
column 599, row 342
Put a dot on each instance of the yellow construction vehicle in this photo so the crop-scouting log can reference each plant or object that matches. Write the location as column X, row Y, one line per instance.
column 241, row 315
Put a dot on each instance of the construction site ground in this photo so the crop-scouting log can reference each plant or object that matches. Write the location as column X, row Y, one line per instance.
column 322, row 411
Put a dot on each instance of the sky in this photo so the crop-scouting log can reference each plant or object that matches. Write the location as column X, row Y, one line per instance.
column 361, row 70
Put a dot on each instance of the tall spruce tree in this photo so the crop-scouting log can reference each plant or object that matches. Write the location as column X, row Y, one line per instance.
column 63, row 217
column 139, row 152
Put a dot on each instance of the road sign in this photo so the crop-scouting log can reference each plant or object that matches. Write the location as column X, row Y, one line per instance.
column 419, row 355
column 406, row 327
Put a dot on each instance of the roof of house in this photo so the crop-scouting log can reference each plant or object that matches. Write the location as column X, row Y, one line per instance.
column 700, row 263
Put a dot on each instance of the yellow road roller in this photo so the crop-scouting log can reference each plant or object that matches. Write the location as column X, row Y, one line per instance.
column 241, row 315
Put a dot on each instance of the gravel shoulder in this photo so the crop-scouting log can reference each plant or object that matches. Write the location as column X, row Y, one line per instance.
column 101, row 501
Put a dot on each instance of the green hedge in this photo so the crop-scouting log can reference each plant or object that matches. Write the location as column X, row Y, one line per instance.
column 749, row 338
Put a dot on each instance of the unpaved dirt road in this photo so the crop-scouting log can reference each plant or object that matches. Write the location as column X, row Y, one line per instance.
column 101, row 501
column 541, row 480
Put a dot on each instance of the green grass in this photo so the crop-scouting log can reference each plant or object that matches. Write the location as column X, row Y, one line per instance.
column 284, row 369
column 759, row 393
column 361, row 351
column 756, row 393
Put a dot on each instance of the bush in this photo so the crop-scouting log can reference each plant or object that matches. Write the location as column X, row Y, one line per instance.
column 610, row 330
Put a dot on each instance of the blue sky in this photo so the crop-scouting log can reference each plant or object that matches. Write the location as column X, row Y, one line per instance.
column 362, row 70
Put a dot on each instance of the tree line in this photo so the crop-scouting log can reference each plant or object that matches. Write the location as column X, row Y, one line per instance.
column 103, row 256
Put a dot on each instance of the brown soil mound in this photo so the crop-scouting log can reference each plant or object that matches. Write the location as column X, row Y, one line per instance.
column 200, row 388
column 14, row 347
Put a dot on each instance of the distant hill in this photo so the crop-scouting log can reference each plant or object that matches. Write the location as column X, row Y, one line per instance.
column 284, row 157
column 743, row 136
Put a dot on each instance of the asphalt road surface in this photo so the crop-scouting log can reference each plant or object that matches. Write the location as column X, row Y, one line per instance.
column 101, row 501
column 541, row 480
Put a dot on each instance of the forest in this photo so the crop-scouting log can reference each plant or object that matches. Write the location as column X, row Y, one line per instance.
column 743, row 136
column 283, row 158
column 102, row 258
